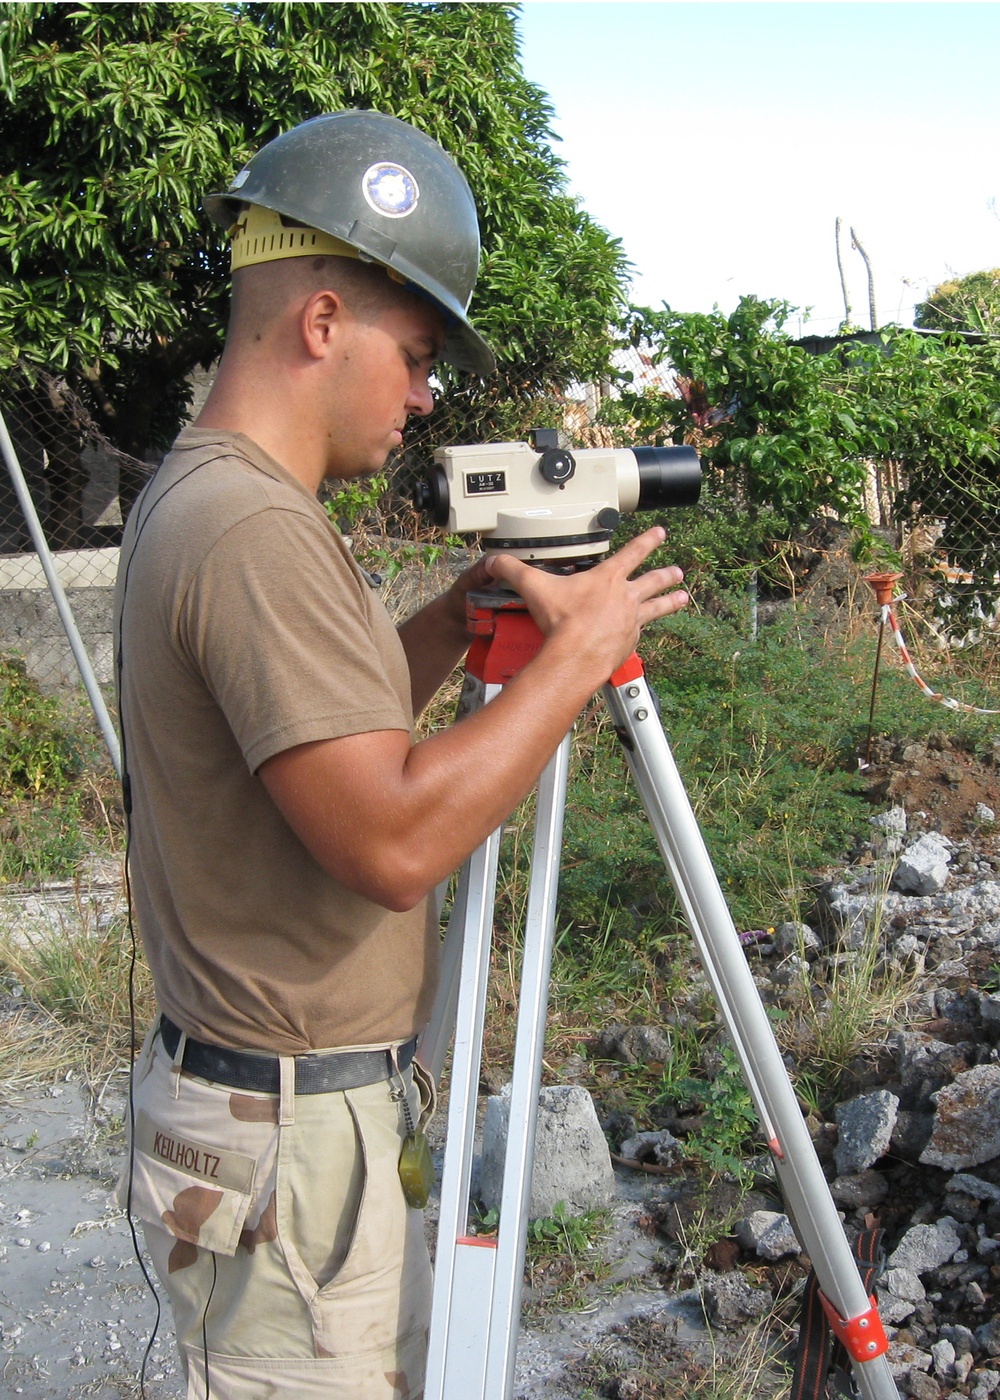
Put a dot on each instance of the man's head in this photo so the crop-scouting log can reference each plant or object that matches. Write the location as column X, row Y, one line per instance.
column 364, row 188
column 330, row 357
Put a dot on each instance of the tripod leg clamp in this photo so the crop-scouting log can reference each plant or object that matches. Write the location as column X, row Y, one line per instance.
column 863, row 1337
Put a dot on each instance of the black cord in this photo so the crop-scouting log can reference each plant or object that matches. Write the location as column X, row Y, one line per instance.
column 204, row 1326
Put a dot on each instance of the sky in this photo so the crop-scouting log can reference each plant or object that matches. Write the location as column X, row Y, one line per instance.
column 721, row 141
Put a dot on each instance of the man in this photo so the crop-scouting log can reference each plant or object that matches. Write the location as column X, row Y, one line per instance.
column 285, row 825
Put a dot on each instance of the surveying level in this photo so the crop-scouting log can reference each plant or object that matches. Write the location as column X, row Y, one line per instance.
column 477, row 1287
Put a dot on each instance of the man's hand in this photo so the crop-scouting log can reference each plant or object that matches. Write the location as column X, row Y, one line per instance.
column 603, row 608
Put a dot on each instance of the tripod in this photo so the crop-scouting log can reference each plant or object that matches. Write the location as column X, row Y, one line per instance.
column 477, row 1288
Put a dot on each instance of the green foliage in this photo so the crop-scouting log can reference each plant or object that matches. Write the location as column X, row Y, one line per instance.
column 118, row 118
column 354, row 503
column 770, row 426
column 728, row 1114
column 563, row 1233
column 42, row 755
column 766, row 735
column 784, row 434
column 38, row 751
column 932, row 405
column 42, row 839
column 970, row 303
column 764, row 740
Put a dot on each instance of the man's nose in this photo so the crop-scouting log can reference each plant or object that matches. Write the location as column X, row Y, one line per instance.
column 421, row 398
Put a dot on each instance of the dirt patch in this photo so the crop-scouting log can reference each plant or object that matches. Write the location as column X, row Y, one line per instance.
column 941, row 784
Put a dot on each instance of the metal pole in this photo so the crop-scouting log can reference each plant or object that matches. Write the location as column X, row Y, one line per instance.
column 884, row 586
column 810, row 1205
column 59, row 597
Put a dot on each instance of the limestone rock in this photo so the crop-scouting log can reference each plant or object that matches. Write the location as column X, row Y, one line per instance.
column 923, row 866
column 865, row 1127
column 966, row 1120
column 926, row 1247
column 572, row 1161
column 768, row 1233
column 899, row 1293
column 730, row 1301
column 634, row 1045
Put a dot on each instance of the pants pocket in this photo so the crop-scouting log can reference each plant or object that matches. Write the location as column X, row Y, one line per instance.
column 201, row 1193
column 426, row 1087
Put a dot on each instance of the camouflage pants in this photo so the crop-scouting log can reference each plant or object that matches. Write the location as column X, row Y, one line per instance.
column 278, row 1228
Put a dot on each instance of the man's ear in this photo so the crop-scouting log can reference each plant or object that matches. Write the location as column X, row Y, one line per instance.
column 320, row 320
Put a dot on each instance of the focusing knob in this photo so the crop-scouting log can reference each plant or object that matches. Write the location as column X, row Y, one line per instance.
column 431, row 496
column 557, row 465
column 609, row 518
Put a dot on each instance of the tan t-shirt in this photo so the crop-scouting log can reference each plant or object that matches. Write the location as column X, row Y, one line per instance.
column 246, row 628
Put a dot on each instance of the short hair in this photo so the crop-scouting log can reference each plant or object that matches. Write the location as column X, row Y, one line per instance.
column 263, row 290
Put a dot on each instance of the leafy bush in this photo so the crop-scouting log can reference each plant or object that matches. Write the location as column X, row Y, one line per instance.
column 38, row 751
column 44, row 799
column 772, row 429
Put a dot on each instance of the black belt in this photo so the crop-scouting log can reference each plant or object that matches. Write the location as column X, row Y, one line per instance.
column 314, row 1074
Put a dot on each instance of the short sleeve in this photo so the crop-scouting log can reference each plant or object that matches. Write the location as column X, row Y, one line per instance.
column 289, row 639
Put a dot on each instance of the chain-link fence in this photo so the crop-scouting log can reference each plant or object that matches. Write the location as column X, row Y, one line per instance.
column 61, row 492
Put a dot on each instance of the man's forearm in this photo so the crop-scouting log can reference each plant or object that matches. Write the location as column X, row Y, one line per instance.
column 434, row 642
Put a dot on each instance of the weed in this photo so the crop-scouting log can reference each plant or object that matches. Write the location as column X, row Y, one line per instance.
column 76, row 984
column 48, row 804
column 729, row 1118
column 846, row 1005
column 563, row 1258
column 648, row 1359
column 562, row 1233
column 42, row 840
column 38, row 750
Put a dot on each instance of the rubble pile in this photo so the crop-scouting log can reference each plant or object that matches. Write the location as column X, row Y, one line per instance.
column 914, row 1149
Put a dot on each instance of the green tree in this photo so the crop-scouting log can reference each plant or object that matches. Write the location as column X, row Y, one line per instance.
column 970, row 303
column 772, row 428
column 117, row 118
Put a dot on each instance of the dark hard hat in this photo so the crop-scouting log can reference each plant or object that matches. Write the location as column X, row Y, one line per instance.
column 387, row 190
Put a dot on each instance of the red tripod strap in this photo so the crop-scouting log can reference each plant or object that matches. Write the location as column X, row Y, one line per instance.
column 827, row 1342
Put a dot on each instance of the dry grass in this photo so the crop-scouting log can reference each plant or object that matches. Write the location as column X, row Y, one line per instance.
column 647, row 1359
column 848, row 1010
column 75, row 1015
column 33, row 1050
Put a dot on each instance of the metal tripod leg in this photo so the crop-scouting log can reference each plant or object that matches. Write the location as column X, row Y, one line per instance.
column 477, row 1284
column 807, row 1195
column 477, row 1289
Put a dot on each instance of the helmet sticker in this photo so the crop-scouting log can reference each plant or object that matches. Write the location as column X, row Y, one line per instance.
column 241, row 178
column 390, row 189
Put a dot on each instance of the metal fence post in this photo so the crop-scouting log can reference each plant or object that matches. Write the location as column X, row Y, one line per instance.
column 59, row 597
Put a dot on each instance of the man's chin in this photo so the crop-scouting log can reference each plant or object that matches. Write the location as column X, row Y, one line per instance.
column 342, row 473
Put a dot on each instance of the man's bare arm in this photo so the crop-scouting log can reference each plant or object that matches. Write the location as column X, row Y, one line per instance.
column 436, row 638
column 390, row 819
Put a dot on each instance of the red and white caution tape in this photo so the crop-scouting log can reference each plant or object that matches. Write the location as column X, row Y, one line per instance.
column 888, row 616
